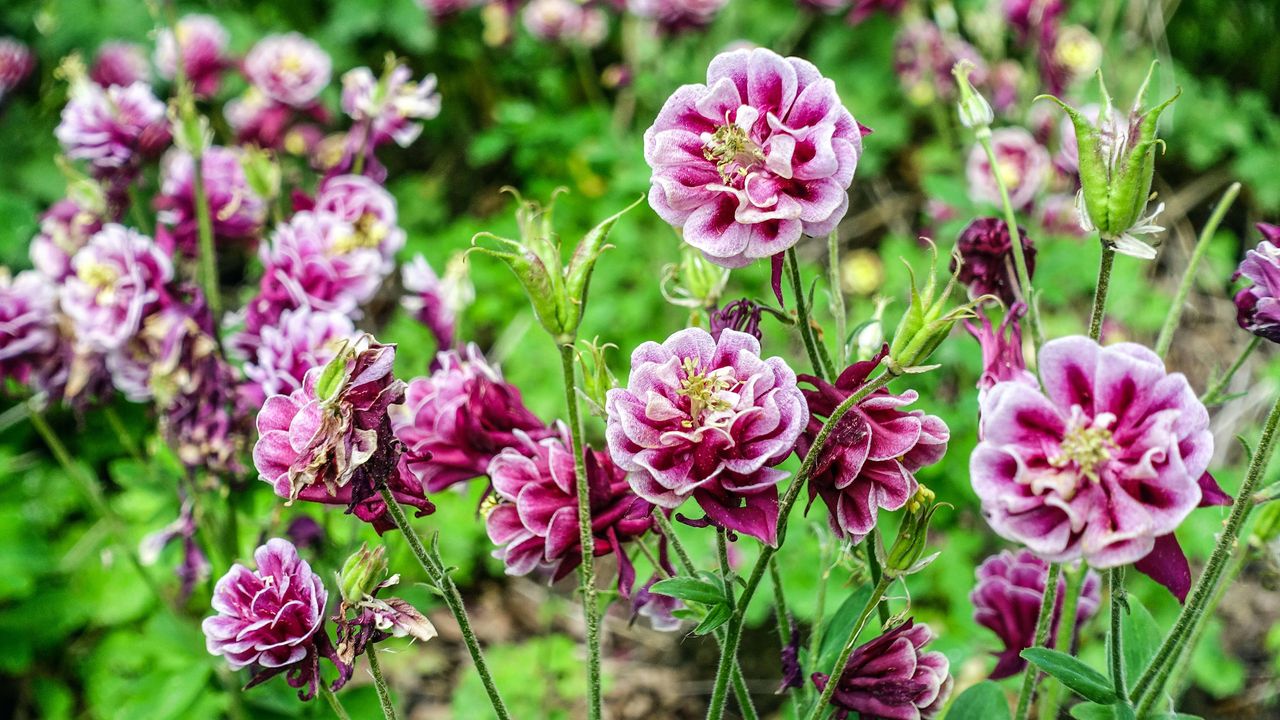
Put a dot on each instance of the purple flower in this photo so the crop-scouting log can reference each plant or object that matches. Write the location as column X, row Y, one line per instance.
column 863, row 9
column 285, row 351
column 120, row 63
column 565, row 21
column 289, row 68
column 534, row 521
column 659, row 609
column 28, row 324
column 386, row 109
column 16, row 64
column 1102, row 464
column 893, row 678
column 442, row 9
column 1035, row 21
column 676, row 15
column 1002, row 359
column 272, row 619
column 923, row 56
column 119, row 278
column 1007, row 600
column 319, row 259
column 870, row 459
column 203, row 43
column 260, row 120
column 194, row 566
column 761, row 154
column 113, row 128
column 435, row 301
column 1257, row 307
column 235, row 209
column 456, row 420
column 338, row 449
column 708, row 419
column 986, row 259
column 742, row 315
column 1005, row 81
column 1059, row 215
column 1022, row 162
column 370, row 210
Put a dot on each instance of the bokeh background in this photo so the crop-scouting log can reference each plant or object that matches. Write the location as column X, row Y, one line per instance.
column 81, row 639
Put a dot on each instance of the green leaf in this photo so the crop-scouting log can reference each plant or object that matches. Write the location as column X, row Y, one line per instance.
column 690, row 589
column 1094, row 711
column 717, row 616
column 1141, row 636
column 1082, row 679
column 984, row 701
column 837, row 629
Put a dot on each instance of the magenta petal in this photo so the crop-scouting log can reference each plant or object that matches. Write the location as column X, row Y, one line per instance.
column 1211, row 493
column 1167, row 565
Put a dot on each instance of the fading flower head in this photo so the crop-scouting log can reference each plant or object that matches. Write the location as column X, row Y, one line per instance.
column 893, row 677
column 289, row 68
column 1023, row 165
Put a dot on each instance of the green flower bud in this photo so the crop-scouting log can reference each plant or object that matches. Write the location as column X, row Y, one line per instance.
column 926, row 323
column 597, row 378
column 362, row 573
column 262, row 172
column 975, row 111
column 1117, row 161
column 906, row 555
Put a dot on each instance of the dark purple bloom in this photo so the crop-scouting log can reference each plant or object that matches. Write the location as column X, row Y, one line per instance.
column 194, row 566
column 235, row 209
column 120, row 63
column 708, row 419
column 443, row 9
column 741, row 315
column 863, row 9
column 1258, row 306
column 871, row 456
column 16, row 63
column 119, row 278
column 893, row 678
column 28, row 324
column 1007, row 600
column 64, row 229
column 986, row 264
column 677, row 15
column 659, row 609
column 1034, row 21
column 202, row 42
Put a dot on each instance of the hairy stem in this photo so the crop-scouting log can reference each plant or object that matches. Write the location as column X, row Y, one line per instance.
column 1115, row 637
column 837, row 298
column 334, row 703
column 1214, row 394
column 1043, row 621
column 842, row 661
column 380, row 683
column 1015, row 243
column 1189, row 275
column 817, row 353
column 1066, row 632
column 1100, row 293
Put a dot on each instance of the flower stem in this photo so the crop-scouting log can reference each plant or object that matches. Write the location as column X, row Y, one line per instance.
column 837, row 298
column 1015, row 243
column 1195, row 612
column 334, row 702
column 1189, row 275
column 380, row 683
column 815, row 635
column 842, row 661
column 1066, row 629
column 452, row 598
column 733, row 635
column 1030, row 675
column 817, row 354
column 204, row 228
column 122, row 433
column 1115, row 637
column 586, row 536
column 1214, row 394
column 1100, row 293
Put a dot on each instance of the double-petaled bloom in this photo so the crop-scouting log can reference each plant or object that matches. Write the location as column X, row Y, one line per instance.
column 235, row 210
column 1021, row 163
column 1258, row 305
column 272, row 620
column 371, row 212
column 112, row 128
column 64, row 228
column 761, row 154
column 28, row 324
column 290, row 69
column 286, row 350
column 201, row 46
column 119, row 63
column 986, row 263
column 534, row 519
column 118, row 279
column 1101, row 463
column 1007, row 598
column 320, row 260
column 869, row 460
column 390, row 109
column 893, row 677
column 708, row 419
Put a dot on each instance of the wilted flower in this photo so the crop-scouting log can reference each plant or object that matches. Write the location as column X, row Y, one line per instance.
column 870, row 458
column 28, row 324
column 371, row 212
column 363, row 578
column 1002, row 359
column 119, row 278
column 236, row 211
column 893, row 677
column 761, row 154
column 112, row 128
column 203, row 42
column 387, row 108
column 272, row 619
column 16, row 63
column 742, row 315
column 677, row 15
column 534, row 521
column 923, row 56
column 300, row 340
column 289, row 68
column 1103, row 463
column 1258, row 306
column 435, row 301
column 1022, row 162
column 986, row 263
column 708, row 419
column 1007, row 598
column 120, row 63
column 456, row 420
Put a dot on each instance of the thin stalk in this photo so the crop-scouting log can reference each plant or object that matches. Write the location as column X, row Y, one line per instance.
column 452, row 598
column 1065, row 633
column 122, row 433
column 1015, row 242
column 733, row 636
column 1189, row 275
column 1115, row 637
column 204, row 228
column 842, row 661
column 1031, row 674
column 380, row 683
column 780, row 614
column 1100, row 294
column 1214, row 393
column 334, row 702
column 817, row 354
column 837, row 297
column 815, row 635
column 586, row 536
column 1194, row 613
column 1180, row 668
column 873, row 569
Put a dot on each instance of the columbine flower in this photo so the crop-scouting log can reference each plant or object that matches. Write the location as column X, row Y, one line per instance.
column 742, row 315
column 113, row 128
column 1002, row 359
column 330, row 441
column 893, row 677
column 986, row 263
column 203, row 43
column 923, row 56
column 1103, row 463
column 708, row 419
column 1006, row 600
column 194, row 566
column 674, row 16
column 565, row 21
column 1022, row 162
column 370, row 210
column 289, row 68
column 285, row 351
column 435, row 301
column 870, row 459
column 442, row 9
column 388, row 108
column 236, row 210
column 761, row 154
column 120, row 278
column 1257, row 307
column 456, row 420
column 534, row 521
column 260, row 120
column 28, row 324
column 318, row 259
column 120, row 63
column 364, row 619
column 16, row 63
column 272, row 619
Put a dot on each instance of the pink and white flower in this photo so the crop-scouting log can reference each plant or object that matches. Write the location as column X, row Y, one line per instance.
column 112, row 128
column 302, row 339
column 120, row 63
column 289, row 68
column 119, row 278
column 236, row 211
column 28, row 324
column 202, row 42
column 388, row 108
column 1023, row 165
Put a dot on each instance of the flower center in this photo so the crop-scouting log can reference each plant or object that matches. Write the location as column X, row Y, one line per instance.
column 732, row 150
column 1086, row 444
column 705, row 392
column 369, row 233
column 290, row 64
column 1009, row 171
column 99, row 276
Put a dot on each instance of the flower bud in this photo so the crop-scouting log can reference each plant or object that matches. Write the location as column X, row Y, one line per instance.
column 975, row 111
column 597, row 378
column 362, row 573
column 261, row 172
column 868, row 337
column 926, row 323
column 906, row 556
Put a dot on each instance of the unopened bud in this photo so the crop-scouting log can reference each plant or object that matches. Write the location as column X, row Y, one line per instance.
column 975, row 111
column 906, row 556
column 361, row 574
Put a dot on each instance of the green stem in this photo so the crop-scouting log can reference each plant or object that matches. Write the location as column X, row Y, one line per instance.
column 1115, row 636
column 586, row 536
column 452, row 598
column 837, row 298
column 1189, row 275
column 334, row 703
column 1031, row 674
column 1150, row 685
column 204, row 228
column 380, row 683
column 873, row 569
column 780, row 614
column 815, row 635
column 817, row 355
column 1214, row 394
column 1025, row 288
column 122, row 433
column 1100, row 293
column 1065, row 633
column 733, row 635
column 1180, row 668
column 842, row 661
